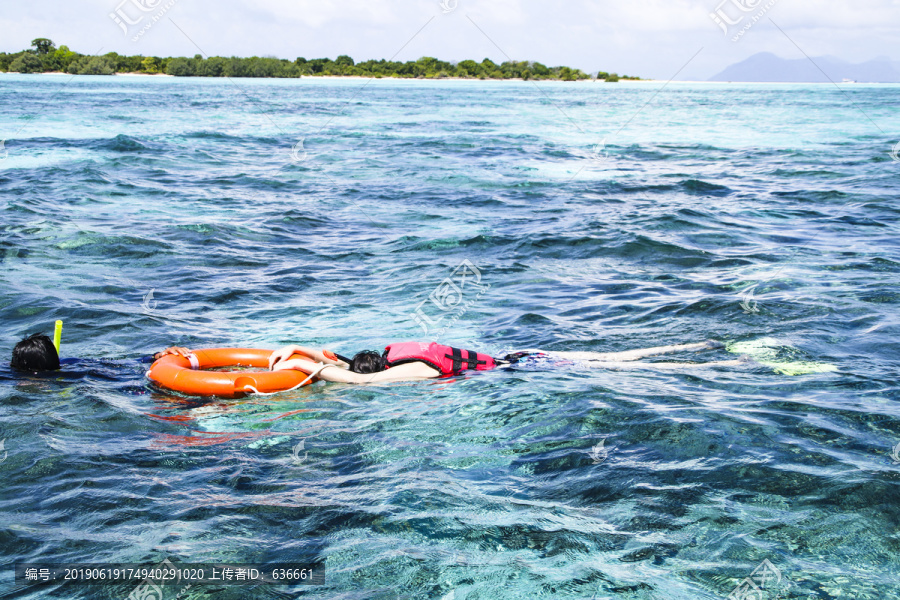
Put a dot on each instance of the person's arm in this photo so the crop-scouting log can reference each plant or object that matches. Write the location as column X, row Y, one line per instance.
column 283, row 354
column 415, row 371
column 409, row 372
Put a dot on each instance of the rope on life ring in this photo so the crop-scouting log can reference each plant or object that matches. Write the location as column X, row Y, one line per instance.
column 250, row 388
column 187, row 375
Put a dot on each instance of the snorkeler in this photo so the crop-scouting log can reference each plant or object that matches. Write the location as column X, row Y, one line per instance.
column 37, row 353
column 411, row 361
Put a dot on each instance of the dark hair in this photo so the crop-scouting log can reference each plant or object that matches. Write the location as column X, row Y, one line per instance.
column 367, row 361
column 35, row 353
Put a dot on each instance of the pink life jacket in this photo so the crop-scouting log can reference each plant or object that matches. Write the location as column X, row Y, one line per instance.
column 447, row 360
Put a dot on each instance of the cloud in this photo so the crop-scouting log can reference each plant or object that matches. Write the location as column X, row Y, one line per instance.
column 321, row 13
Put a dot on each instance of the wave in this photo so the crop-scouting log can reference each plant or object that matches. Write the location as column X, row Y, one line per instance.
column 703, row 188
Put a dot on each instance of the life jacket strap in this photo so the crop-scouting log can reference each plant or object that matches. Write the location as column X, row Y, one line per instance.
column 471, row 359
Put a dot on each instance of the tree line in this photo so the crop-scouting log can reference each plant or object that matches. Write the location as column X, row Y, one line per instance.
column 45, row 57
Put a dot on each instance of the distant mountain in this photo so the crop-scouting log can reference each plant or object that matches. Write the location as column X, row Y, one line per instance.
column 765, row 66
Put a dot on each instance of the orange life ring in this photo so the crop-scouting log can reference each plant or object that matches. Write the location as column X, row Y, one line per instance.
column 178, row 373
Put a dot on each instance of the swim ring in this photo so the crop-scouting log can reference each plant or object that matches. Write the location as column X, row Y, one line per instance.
column 187, row 375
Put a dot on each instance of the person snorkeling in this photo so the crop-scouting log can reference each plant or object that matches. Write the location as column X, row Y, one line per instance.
column 35, row 353
column 411, row 361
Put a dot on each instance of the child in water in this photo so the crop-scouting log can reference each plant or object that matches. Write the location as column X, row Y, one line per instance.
column 410, row 361
column 36, row 354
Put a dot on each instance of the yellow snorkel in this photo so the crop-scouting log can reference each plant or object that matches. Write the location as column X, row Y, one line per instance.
column 57, row 336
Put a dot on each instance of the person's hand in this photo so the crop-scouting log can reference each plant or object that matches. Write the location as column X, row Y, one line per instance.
column 296, row 364
column 177, row 350
column 280, row 355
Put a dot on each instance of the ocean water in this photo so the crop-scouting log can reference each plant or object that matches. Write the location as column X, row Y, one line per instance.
column 146, row 212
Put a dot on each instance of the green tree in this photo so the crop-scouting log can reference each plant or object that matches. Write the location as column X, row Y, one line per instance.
column 566, row 74
column 318, row 65
column 470, row 67
column 27, row 63
column 43, row 45
column 540, row 70
column 512, row 69
column 96, row 65
column 488, row 66
column 50, row 62
column 428, row 64
column 212, row 67
column 91, row 65
column 235, row 67
column 181, row 67
column 116, row 61
column 64, row 57
column 150, row 65
column 133, row 64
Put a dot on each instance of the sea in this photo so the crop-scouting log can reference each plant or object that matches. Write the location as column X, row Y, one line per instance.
column 500, row 216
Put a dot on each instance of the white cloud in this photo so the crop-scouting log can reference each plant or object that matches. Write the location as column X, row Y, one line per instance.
column 320, row 13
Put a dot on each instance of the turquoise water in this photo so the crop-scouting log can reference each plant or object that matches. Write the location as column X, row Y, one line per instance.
column 146, row 212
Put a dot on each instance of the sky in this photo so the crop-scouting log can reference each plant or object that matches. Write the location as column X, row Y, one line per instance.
column 657, row 39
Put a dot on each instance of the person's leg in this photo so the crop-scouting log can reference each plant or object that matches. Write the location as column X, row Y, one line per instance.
column 630, row 355
column 671, row 366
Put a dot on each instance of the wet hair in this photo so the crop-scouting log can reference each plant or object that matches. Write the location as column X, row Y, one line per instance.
column 367, row 361
column 35, row 353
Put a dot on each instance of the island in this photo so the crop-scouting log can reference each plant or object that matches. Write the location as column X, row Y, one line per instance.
column 45, row 57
